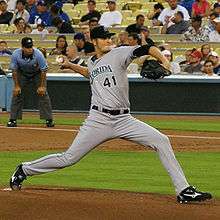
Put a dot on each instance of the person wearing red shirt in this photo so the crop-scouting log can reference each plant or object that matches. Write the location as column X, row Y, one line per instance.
column 201, row 7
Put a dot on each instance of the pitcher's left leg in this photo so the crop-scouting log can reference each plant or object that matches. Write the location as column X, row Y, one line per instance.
column 132, row 129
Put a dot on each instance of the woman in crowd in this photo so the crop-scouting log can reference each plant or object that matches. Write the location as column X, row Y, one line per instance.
column 61, row 45
column 201, row 8
column 20, row 26
column 205, row 50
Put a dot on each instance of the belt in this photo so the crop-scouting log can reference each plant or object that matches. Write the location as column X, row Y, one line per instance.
column 111, row 112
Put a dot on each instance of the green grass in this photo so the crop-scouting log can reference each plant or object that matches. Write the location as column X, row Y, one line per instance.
column 186, row 125
column 133, row 171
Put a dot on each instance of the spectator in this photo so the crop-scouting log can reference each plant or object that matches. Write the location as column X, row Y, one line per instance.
column 83, row 46
column 187, row 4
column 196, row 32
column 214, row 57
column 175, row 67
column 86, row 31
column 40, row 30
column 112, row 17
column 216, row 8
column 205, row 50
column 186, row 61
column 31, row 6
column 5, row 15
column 27, row 29
column 62, row 26
column 134, row 39
column 168, row 13
column 92, row 13
column 123, row 39
column 135, row 28
column 194, row 65
column 208, row 68
column 179, row 27
column 4, row 51
column 201, row 8
column 158, row 8
column 20, row 26
column 20, row 11
column 61, row 45
column 29, row 66
column 93, row 22
column 73, row 56
column 214, row 36
column 41, row 15
column 145, row 36
column 43, row 51
column 56, row 11
column 211, row 23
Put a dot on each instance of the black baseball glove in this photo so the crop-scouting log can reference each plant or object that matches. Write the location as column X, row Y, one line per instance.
column 152, row 69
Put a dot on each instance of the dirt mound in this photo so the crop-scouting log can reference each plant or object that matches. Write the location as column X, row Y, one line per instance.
column 79, row 204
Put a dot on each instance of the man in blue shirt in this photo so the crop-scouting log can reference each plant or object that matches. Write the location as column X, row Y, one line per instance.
column 29, row 65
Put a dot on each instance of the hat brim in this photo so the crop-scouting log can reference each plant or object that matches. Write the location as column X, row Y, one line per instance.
column 28, row 46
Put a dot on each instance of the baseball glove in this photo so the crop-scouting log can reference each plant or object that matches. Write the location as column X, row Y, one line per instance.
column 152, row 69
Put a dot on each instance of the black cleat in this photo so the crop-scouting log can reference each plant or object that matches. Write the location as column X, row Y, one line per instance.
column 50, row 123
column 17, row 178
column 190, row 194
column 12, row 123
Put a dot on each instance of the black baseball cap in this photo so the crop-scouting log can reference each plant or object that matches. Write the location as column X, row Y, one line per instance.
column 100, row 32
column 27, row 42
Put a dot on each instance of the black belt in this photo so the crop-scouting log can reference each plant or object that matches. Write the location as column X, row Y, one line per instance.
column 111, row 112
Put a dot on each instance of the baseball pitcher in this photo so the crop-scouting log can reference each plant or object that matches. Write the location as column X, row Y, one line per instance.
column 110, row 117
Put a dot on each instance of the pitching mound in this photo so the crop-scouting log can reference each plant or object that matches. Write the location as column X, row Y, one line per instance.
column 79, row 204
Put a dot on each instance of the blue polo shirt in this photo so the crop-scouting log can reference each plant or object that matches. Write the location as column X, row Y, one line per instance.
column 28, row 66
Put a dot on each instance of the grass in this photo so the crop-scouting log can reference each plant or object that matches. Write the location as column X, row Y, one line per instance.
column 133, row 171
column 211, row 126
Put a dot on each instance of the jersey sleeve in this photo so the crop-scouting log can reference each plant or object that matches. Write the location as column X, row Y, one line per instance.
column 41, row 61
column 14, row 62
column 128, row 53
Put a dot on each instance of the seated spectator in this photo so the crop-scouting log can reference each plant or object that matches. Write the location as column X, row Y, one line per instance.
column 84, row 47
column 216, row 8
column 214, row 36
column 41, row 15
column 194, row 65
column 158, row 8
column 179, row 27
column 211, row 23
column 86, row 31
column 27, row 29
column 135, row 28
column 205, row 50
column 134, row 39
column 185, row 62
column 196, row 32
column 61, row 45
column 201, row 8
column 4, row 51
column 73, row 56
column 168, row 13
column 112, row 17
column 175, row 67
column 56, row 11
column 93, row 22
column 31, row 6
column 20, row 11
column 92, row 13
column 187, row 4
column 20, row 26
column 214, row 57
column 62, row 26
column 5, row 15
column 40, row 30
column 43, row 51
column 208, row 68
column 145, row 36
column 123, row 39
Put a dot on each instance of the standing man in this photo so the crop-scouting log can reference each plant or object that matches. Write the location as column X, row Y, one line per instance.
column 29, row 65
column 110, row 117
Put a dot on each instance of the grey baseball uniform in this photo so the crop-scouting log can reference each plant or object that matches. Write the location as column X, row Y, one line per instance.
column 109, row 118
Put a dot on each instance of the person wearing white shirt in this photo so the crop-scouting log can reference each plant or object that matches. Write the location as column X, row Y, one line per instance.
column 112, row 17
column 168, row 13
column 214, row 36
column 40, row 30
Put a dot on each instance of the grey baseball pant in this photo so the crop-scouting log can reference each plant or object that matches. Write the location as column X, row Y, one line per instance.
column 17, row 101
column 100, row 127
